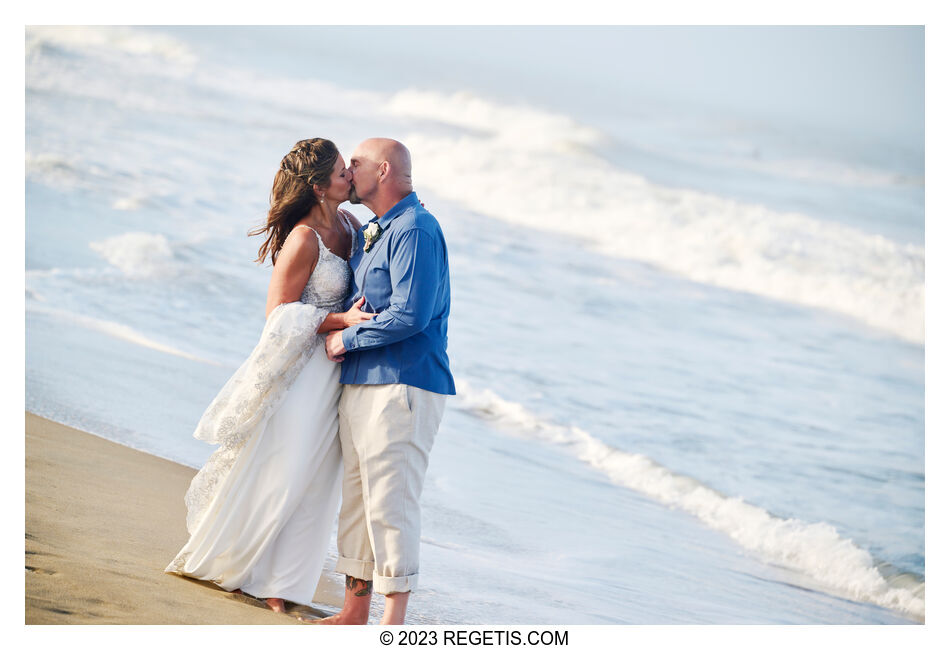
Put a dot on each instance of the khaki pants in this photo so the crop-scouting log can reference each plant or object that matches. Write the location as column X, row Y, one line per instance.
column 386, row 433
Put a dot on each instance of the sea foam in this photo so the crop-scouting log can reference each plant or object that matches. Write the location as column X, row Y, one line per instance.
column 541, row 170
column 137, row 253
column 813, row 549
column 107, row 40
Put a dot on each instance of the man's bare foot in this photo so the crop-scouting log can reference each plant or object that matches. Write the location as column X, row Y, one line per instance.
column 356, row 601
column 276, row 604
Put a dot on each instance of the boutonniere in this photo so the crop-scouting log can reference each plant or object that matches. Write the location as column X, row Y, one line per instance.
column 372, row 233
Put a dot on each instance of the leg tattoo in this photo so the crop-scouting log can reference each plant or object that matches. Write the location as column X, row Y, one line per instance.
column 362, row 587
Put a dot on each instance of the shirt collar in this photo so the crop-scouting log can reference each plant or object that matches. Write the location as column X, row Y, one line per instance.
column 406, row 202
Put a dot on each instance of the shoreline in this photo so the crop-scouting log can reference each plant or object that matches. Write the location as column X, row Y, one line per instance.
column 102, row 522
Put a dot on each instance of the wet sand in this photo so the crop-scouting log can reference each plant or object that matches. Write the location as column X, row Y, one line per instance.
column 102, row 522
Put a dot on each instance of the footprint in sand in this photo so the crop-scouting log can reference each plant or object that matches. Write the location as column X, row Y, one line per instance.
column 33, row 569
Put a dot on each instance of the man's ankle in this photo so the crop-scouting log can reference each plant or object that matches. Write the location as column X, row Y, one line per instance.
column 356, row 601
column 394, row 613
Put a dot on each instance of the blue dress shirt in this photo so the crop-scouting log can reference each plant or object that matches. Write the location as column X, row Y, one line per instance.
column 405, row 279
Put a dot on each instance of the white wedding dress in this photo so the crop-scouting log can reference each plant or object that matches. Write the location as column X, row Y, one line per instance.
column 261, row 510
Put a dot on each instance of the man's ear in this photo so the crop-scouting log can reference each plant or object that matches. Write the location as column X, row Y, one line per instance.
column 383, row 170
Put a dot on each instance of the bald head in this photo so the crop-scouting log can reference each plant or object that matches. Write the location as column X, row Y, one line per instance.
column 395, row 154
column 382, row 173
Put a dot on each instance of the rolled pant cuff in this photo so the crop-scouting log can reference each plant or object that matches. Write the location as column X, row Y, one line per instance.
column 389, row 585
column 359, row 569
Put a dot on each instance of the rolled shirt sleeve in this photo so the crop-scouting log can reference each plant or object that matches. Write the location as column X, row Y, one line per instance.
column 414, row 266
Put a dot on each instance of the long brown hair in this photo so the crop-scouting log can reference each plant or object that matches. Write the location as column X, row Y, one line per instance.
column 309, row 163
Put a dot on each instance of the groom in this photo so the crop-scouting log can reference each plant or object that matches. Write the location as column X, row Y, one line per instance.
column 396, row 376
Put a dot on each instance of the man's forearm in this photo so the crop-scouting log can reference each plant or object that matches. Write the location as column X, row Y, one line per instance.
column 415, row 275
column 387, row 327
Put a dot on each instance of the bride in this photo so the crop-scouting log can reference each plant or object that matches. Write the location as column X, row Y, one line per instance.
column 260, row 511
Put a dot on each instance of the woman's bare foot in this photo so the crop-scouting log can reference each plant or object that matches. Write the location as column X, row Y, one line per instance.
column 276, row 604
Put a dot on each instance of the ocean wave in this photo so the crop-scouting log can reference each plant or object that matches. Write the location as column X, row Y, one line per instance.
column 709, row 239
column 139, row 72
column 541, row 170
column 528, row 127
column 129, row 203
column 813, row 549
column 137, row 253
column 109, row 40
column 56, row 169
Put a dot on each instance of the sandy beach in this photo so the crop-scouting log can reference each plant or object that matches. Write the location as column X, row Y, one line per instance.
column 102, row 522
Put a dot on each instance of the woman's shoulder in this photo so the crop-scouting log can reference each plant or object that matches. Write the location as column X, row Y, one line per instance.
column 301, row 241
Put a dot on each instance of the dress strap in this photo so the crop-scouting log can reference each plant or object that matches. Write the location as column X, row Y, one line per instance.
column 353, row 230
column 343, row 214
column 303, row 225
column 350, row 229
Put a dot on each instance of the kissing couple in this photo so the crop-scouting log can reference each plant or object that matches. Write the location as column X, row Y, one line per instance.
column 340, row 401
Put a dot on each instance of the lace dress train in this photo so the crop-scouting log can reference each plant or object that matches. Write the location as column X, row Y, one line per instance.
column 261, row 510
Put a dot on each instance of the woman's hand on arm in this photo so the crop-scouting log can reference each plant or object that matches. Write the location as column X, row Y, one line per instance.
column 293, row 267
column 342, row 320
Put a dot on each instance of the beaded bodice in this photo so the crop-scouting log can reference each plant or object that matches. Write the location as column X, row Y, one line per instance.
column 329, row 284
